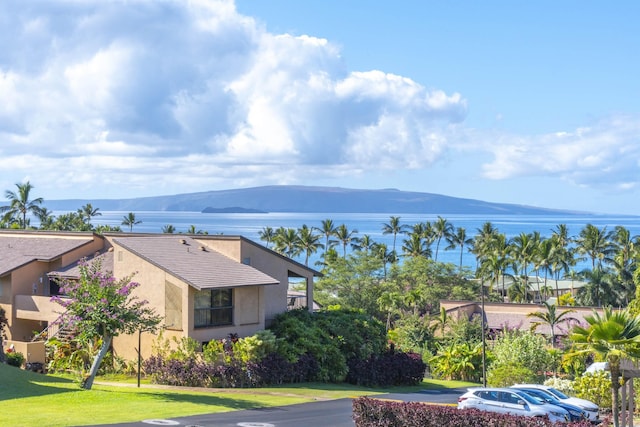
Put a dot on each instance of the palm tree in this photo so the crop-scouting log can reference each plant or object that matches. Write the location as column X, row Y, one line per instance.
column 20, row 204
column 168, row 229
column 382, row 252
column 346, row 237
column 267, row 235
column 87, row 212
column 394, row 227
column 46, row 218
column 309, row 243
column 595, row 243
column 365, row 243
column 327, row 229
column 522, row 250
column 552, row 318
column 130, row 220
column 414, row 247
column 616, row 337
column 287, row 241
column 442, row 229
column 458, row 238
column 481, row 245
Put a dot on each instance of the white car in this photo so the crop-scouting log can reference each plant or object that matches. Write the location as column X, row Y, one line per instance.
column 510, row 401
column 592, row 410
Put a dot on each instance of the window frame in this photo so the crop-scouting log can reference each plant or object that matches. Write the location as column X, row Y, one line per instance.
column 212, row 312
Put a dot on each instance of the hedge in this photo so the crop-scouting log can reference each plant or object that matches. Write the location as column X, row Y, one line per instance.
column 369, row 412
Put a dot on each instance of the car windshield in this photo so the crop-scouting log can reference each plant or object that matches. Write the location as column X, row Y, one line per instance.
column 531, row 399
column 558, row 393
column 542, row 396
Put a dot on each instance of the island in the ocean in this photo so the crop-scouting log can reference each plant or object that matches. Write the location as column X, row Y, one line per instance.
column 234, row 209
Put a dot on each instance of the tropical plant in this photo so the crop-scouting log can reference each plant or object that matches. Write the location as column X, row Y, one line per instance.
column 327, row 229
column 552, row 318
column 20, row 204
column 287, row 242
column 615, row 337
column 460, row 361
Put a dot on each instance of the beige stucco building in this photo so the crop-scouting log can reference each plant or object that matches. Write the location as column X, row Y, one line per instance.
column 203, row 286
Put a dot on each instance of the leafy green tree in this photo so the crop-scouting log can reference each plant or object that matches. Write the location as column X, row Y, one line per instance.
column 20, row 204
column 99, row 306
column 552, row 318
column 522, row 349
column 354, row 282
column 130, row 220
column 614, row 336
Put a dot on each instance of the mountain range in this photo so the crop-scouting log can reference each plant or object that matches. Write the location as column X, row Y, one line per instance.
column 287, row 198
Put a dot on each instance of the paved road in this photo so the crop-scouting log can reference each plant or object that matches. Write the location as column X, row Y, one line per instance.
column 335, row 413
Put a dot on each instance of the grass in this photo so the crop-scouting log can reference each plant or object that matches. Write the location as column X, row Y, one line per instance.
column 30, row 399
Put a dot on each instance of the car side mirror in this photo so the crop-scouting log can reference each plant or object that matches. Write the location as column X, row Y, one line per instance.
column 521, row 402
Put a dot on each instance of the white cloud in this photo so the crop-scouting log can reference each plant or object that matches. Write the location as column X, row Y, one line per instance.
column 178, row 96
column 606, row 154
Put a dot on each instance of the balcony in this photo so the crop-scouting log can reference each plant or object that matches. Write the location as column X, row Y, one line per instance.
column 35, row 307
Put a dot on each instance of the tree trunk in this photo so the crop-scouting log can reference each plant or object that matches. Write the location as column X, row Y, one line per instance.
column 106, row 343
column 614, row 367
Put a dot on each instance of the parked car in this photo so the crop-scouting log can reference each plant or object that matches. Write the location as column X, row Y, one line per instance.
column 588, row 406
column 510, row 401
column 575, row 412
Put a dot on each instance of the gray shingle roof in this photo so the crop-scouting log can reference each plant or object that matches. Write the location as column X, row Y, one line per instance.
column 73, row 270
column 201, row 269
column 16, row 251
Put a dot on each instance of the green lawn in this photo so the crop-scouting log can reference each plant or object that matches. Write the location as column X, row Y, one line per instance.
column 29, row 399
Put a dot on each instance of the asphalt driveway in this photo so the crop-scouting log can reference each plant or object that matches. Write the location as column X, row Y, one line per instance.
column 335, row 413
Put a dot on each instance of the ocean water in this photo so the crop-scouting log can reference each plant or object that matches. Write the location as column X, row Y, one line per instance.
column 250, row 225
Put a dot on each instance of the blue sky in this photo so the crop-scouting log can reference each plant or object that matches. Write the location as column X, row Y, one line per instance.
column 532, row 103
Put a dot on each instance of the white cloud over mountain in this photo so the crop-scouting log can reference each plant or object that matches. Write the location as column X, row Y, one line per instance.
column 191, row 95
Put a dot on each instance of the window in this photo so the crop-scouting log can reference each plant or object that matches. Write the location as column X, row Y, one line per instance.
column 213, row 307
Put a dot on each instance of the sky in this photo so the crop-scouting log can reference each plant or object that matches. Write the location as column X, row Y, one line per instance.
column 534, row 103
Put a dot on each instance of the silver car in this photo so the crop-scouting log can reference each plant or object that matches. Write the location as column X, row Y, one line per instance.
column 510, row 401
column 588, row 406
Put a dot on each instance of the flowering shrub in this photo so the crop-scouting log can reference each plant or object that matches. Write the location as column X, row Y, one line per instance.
column 564, row 385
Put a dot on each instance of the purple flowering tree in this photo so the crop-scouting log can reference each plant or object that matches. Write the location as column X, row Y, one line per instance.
column 99, row 306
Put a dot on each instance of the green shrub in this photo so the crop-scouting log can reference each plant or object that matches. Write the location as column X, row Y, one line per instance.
column 509, row 374
column 595, row 387
column 564, row 385
column 523, row 349
column 15, row 359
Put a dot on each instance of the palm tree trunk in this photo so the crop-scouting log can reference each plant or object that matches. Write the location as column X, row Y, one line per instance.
column 614, row 367
column 106, row 343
